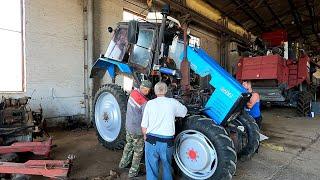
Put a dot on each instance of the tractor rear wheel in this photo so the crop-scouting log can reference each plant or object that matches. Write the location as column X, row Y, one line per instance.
column 251, row 133
column 109, row 116
column 204, row 150
column 304, row 103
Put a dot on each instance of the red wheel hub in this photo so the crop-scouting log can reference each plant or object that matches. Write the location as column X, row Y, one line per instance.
column 192, row 154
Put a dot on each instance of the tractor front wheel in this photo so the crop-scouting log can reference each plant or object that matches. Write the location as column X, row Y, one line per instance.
column 204, row 150
column 109, row 116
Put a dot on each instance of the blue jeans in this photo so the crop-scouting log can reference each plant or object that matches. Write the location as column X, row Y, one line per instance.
column 153, row 155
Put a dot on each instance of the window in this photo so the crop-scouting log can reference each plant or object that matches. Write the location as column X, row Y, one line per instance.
column 194, row 41
column 118, row 44
column 176, row 50
column 11, row 46
column 142, row 50
column 130, row 15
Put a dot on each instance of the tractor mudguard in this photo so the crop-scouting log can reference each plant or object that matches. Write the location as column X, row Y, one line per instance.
column 109, row 65
column 228, row 96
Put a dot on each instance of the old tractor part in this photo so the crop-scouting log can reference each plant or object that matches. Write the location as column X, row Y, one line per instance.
column 55, row 169
column 18, row 128
column 37, row 148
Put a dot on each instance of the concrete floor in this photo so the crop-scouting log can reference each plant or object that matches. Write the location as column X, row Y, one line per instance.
column 292, row 152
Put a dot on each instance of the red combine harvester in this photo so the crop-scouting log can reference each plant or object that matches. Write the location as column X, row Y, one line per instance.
column 281, row 76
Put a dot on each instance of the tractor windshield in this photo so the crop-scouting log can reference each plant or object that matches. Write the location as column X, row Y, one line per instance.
column 118, row 44
column 142, row 51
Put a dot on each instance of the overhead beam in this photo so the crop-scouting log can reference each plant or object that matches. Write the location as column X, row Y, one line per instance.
column 273, row 13
column 206, row 22
column 252, row 10
column 233, row 9
column 296, row 17
column 280, row 17
column 225, row 14
column 260, row 25
column 311, row 14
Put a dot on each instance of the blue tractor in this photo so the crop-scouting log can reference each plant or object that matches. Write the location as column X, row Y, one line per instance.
column 216, row 130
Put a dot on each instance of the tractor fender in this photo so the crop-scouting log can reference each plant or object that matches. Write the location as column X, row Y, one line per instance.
column 109, row 66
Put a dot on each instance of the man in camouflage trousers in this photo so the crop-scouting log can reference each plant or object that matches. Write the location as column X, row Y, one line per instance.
column 133, row 149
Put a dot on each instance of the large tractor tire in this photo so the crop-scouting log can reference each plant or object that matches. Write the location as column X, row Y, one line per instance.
column 304, row 103
column 251, row 137
column 204, row 150
column 109, row 116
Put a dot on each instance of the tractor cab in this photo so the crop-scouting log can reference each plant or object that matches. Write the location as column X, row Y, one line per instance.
column 137, row 54
column 135, row 46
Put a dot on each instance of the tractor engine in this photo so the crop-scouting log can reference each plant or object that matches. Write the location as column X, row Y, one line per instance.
column 17, row 122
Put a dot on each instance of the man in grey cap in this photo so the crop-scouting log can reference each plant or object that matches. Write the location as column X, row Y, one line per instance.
column 133, row 149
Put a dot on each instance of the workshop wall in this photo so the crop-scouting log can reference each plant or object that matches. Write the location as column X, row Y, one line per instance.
column 54, row 49
column 208, row 41
column 233, row 58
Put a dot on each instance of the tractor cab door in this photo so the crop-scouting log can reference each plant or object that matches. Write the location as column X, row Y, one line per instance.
column 143, row 51
column 118, row 45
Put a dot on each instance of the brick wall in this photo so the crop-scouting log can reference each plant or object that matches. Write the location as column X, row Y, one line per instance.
column 54, row 58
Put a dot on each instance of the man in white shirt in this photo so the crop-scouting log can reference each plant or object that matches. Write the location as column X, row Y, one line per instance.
column 158, row 128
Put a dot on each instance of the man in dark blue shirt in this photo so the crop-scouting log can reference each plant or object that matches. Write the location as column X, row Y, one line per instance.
column 253, row 106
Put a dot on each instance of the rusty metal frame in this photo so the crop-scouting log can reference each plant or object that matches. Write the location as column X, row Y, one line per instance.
column 56, row 169
column 38, row 148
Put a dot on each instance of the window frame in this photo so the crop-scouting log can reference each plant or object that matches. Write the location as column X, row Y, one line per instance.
column 146, row 25
column 148, row 49
column 120, row 27
column 23, row 61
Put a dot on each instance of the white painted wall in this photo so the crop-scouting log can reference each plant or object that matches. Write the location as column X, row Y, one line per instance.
column 54, row 49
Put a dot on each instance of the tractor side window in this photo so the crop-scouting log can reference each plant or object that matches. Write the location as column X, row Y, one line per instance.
column 176, row 51
column 118, row 44
column 141, row 54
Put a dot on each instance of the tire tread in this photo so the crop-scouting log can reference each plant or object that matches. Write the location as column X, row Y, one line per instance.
column 122, row 99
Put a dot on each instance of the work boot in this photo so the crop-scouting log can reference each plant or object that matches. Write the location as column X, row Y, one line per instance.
column 132, row 175
column 135, row 174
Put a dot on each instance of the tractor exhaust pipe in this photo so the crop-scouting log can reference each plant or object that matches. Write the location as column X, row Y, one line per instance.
column 165, row 11
column 185, row 65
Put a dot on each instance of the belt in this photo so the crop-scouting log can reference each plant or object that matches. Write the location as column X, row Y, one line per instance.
column 153, row 140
